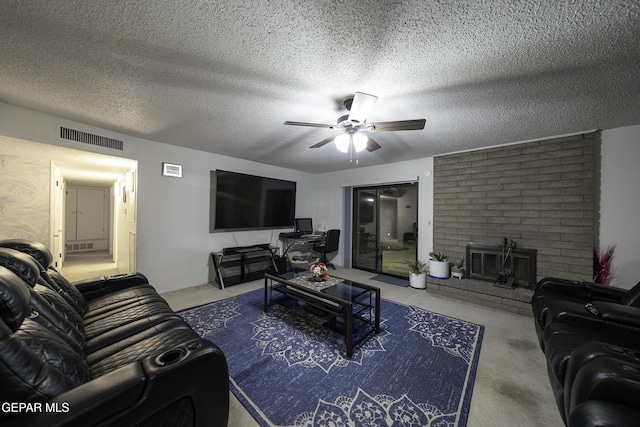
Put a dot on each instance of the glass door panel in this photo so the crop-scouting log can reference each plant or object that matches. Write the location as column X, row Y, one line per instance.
column 365, row 229
column 398, row 228
column 385, row 228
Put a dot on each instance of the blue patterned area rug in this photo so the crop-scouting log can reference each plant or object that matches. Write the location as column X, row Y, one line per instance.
column 288, row 370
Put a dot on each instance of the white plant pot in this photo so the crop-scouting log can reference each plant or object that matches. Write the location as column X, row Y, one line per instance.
column 439, row 269
column 418, row 281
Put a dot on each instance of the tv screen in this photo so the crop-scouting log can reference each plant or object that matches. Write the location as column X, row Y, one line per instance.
column 244, row 202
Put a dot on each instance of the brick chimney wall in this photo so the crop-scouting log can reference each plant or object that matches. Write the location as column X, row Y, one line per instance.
column 539, row 194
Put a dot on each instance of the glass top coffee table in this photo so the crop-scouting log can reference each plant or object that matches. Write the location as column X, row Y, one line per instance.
column 351, row 308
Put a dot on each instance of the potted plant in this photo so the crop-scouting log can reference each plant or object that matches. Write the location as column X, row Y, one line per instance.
column 438, row 265
column 417, row 274
column 603, row 265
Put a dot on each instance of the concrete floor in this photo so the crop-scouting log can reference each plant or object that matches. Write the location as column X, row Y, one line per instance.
column 511, row 387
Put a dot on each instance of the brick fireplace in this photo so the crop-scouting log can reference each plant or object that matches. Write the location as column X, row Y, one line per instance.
column 540, row 194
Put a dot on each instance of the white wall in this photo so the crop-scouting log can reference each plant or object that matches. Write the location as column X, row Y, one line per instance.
column 173, row 239
column 620, row 202
column 329, row 196
column 174, row 242
column 24, row 194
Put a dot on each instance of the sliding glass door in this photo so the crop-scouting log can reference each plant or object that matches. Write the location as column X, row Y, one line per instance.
column 385, row 228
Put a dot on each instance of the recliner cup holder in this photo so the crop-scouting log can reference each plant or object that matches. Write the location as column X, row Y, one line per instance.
column 169, row 357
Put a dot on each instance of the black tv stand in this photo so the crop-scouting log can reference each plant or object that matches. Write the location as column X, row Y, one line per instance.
column 243, row 263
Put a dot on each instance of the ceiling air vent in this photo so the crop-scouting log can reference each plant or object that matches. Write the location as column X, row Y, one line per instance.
column 89, row 138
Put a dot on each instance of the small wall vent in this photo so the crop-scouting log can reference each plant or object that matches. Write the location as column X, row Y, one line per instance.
column 71, row 247
column 89, row 138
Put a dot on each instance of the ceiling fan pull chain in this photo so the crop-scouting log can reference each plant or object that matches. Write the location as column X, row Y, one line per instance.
column 350, row 151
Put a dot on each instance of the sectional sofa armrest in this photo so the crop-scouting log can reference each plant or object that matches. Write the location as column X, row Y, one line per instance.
column 597, row 290
column 617, row 319
column 618, row 313
column 191, row 379
column 89, row 403
column 92, row 288
column 609, row 379
column 589, row 352
column 573, row 287
column 598, row 413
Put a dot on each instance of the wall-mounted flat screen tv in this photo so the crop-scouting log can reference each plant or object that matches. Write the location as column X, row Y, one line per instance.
column 248, row 202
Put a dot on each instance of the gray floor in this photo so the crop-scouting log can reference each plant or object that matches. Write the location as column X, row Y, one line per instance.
column 511, row 388
column 85, row 265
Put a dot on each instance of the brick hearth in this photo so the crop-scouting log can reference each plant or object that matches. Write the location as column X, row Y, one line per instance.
column 480, row 292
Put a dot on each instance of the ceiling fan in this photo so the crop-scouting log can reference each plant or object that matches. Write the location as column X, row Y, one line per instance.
column 354, row 124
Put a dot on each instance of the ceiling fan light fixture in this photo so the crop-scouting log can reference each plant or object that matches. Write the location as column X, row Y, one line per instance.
column 361, row 107
column 359, row 142
column 354, row 126
column 342, row 142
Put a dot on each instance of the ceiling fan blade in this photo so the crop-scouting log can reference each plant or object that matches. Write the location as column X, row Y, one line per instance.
column 372, row 145
column 399, row 125
column 361, row 107
column 315, row 125
column 323, row 142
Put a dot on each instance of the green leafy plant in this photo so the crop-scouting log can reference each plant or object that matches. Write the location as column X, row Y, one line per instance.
column 438, row 256
column 417, row 267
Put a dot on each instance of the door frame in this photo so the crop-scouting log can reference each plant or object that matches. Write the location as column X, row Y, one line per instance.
column 56, row 216
column 378, row 268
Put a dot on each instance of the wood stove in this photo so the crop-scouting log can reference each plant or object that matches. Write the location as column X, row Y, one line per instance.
column 485, row 262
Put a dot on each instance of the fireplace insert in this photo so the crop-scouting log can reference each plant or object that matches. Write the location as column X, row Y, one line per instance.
column 504, row 262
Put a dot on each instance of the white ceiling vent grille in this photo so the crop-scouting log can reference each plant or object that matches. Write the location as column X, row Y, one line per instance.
column 89, row 138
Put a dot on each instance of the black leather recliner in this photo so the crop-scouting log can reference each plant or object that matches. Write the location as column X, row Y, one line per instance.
column 592, row 349
column 551, row 289
column 108, row 351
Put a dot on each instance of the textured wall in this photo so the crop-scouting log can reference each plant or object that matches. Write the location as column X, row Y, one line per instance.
column 539, row 194
column 24, row 197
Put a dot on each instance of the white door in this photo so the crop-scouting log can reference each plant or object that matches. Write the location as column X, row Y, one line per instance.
column 90, row 217
column 85, row 214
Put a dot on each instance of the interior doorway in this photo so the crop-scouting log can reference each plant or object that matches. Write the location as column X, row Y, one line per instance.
column 61, row 167
column 385, row 228
column 93, row 211
column 87, row 218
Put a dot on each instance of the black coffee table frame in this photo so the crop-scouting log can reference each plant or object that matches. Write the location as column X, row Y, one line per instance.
column 354, row 307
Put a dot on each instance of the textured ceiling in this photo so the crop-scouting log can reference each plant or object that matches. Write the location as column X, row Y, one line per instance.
column 223, row 76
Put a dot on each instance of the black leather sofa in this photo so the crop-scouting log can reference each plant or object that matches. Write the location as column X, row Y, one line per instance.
column 590, row 335
column 551, row 289
column 106, row 352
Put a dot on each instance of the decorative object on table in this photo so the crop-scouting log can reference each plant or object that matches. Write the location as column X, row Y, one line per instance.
column 316, row 285
column 438, row 265
column 457, row 270
column 294, row 355
column 319, row 272
column 603, row 265
column 418, row 274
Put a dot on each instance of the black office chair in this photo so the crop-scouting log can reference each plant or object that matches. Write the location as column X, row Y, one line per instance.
column 330, row 244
